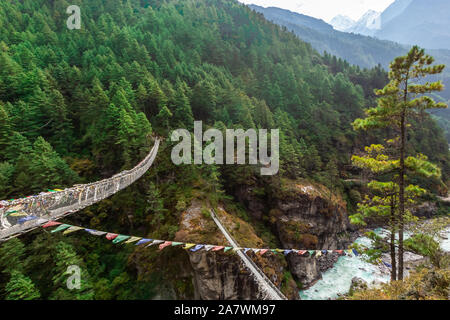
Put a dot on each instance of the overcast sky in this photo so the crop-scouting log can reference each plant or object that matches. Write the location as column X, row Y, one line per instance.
column 326, row 9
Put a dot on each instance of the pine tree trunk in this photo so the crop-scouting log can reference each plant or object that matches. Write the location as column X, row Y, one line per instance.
column 401, row 212
column 393, row 257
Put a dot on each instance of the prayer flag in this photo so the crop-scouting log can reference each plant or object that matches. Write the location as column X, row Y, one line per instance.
column 111, row 236
column 263, row 251
column 120, row 238
column 51, row 224
column 188, row 245
column 227, row 249
column 155, row 242
column 61, row 228
column 132, row 239
column 29, row 218
column 218, row 248
column 72, row 229
column 19, row 214
column 165, row 244
column 142, row 241
column 95, row 232
column 197, row 247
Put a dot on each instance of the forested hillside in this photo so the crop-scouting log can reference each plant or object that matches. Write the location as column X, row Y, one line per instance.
column 79, row 105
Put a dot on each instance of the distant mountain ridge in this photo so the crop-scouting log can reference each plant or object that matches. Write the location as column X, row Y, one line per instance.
column 422, row 22
column 357, row 49
column 364, row 51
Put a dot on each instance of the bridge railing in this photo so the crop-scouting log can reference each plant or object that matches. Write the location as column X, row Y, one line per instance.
column 14, row 215
column 267, row 288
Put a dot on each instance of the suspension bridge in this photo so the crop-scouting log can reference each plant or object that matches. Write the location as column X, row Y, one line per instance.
column 23, row 215
column 20, row 216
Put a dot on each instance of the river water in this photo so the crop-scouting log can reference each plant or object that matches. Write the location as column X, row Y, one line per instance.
column 338, row 279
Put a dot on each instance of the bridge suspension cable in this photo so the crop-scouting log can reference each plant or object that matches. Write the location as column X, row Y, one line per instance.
column 23, row 215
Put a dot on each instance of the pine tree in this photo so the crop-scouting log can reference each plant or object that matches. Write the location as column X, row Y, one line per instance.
column 20, row 287
column 5, row 130
column 64, row 257
column 399, row 101
column 383, row 202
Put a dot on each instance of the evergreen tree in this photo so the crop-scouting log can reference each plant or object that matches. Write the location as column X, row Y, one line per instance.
column 20, row 287
column 401, row 99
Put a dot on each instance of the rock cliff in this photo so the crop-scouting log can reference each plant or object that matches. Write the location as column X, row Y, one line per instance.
column 304, row 216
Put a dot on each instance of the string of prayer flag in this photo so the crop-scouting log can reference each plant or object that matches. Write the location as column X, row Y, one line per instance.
column 193, row 247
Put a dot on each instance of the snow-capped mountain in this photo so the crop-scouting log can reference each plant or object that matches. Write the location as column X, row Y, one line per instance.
column 368, row 24
column 342, row 23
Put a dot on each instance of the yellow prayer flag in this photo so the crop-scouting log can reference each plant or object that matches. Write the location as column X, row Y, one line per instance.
column 72, row 229
column 133, row 239
column 19, row 214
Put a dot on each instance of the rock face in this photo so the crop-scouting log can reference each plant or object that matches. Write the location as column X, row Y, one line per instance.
column 310, row 219
column 305, row 216
column 218, row 277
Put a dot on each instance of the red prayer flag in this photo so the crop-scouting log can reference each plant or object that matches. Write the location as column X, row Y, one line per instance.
column 218, row 248
column 51, row 224
column 111, row 236
column 165, row 244
column 339, row 251
column 301, row 252
column 263, row 251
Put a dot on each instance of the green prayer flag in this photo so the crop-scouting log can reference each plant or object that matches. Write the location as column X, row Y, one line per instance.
column 227, row 249
column 177, row 244
column 61, row 228
column 10, row 212
column 311, row 252
column 120, row 238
